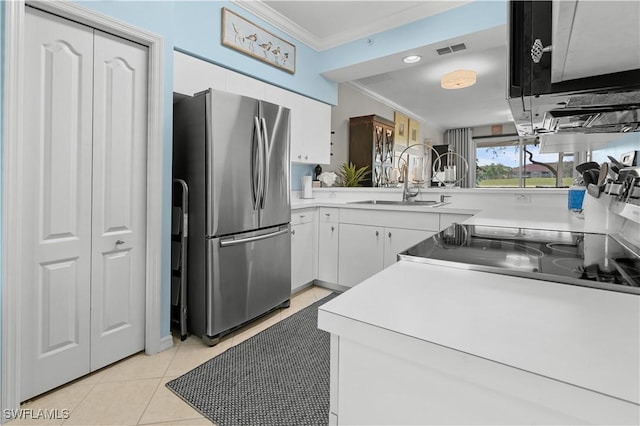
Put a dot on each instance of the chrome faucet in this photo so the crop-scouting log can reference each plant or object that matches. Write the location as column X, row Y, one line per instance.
column 407, row 195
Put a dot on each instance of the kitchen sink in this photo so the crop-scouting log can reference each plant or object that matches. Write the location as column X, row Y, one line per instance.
column 416, row 203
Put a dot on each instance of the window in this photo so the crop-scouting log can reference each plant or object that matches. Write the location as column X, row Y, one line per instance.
column 518, row 163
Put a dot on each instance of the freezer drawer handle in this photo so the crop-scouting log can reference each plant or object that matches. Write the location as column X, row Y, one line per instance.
column 228, row 243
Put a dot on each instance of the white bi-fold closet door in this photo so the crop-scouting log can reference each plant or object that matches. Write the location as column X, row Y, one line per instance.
column 84, row 201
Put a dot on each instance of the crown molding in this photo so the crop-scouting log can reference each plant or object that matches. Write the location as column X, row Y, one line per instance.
column 284, row 24
column 383, row 100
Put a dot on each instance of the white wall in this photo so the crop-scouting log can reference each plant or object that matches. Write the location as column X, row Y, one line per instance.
column 354, row 103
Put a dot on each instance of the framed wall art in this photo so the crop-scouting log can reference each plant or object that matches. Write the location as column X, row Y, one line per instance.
column 414, row 132
column 246, row 37
column 402, row 128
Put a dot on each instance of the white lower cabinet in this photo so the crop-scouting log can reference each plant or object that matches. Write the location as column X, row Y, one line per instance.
column 328, row 244
column 397, row 240
column 303, row 248
column 370, row 240
column 366, row 250
column 361, row 253
column 351, row 245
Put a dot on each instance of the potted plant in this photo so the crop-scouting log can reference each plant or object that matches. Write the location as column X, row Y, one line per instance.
column 351, row 176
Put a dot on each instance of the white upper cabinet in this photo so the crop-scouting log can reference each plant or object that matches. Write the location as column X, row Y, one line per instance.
column 310, row 126
column 191, row 75
column 310, row 119
column 315, row 144
column 245, row 86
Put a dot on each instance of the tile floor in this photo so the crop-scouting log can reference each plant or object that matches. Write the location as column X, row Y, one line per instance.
column 132, row 391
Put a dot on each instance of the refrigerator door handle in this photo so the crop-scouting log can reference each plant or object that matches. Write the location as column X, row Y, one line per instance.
column 256, row 163
column 266, row 161
column 227, row 243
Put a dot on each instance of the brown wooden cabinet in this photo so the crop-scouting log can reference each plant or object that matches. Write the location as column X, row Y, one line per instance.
column 371, row 140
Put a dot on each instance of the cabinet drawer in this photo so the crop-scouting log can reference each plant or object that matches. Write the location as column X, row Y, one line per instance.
column 328, row 214
column 302, row 216
column 425, row 221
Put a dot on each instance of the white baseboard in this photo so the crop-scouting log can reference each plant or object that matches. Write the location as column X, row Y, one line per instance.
column 166, row 343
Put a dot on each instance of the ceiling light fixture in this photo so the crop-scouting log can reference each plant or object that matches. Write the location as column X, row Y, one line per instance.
column 458, row 79
column 411, row 59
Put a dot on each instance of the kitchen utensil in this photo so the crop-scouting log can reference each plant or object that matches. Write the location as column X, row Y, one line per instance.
column 616, row 166
column 594, row 190
column 580, row 168
column 590, row 176
column 602, row 175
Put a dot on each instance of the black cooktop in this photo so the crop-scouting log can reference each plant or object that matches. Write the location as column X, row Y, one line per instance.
column 591, row 260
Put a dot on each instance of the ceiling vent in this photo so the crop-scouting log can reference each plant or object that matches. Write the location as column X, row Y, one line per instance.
column 450, row 49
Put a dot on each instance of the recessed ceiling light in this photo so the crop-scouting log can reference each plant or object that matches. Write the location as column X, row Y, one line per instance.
column 411, row 59
column 458, row 79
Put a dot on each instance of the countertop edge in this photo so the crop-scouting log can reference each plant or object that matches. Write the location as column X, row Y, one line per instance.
column 472, row 324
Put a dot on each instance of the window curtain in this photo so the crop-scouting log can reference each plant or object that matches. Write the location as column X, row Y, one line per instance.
column 461, row 140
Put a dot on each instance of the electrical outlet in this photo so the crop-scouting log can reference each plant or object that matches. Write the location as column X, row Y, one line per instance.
column 523, row 198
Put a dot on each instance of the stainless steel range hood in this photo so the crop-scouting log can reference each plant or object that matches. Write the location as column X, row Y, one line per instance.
column 594, row 112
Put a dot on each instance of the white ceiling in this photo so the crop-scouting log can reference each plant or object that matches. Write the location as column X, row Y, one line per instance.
column 413, row 89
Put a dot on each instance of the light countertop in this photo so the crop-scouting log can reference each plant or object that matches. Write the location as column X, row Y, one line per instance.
column 348, row 204
column 578, row 335
column 519, row 216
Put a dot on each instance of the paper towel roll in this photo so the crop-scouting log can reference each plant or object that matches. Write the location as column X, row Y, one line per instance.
column 306, row 187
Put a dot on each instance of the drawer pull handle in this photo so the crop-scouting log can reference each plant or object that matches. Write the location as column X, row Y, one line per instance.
column 377, row 234
column 332, row 229
column 302, row 216
column 327, row 214
column 389, row 234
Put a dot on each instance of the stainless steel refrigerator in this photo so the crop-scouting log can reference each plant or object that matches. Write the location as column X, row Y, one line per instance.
column 233, row 152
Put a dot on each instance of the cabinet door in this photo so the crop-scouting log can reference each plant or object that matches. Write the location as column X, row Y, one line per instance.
column 290, row 100
column 192, row 75
column 302, row 254
column 245, row 86
column 316, row 127
column 361, row 253
column 328, row 252
column 397, row 240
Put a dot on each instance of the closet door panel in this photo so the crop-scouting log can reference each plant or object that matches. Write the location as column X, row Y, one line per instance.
column 119, row 200
column 56, row 188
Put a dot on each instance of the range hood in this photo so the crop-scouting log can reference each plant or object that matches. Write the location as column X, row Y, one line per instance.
column 591, row 112
column 551, row 89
